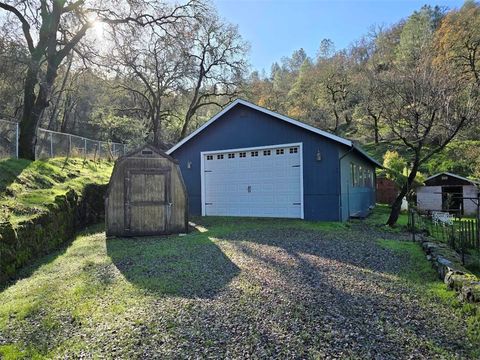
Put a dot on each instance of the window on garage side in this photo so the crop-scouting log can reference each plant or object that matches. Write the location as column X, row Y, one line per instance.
column 267, row 152
column 352, row 173
column 209, row 157
column 231, row 156
column 220, row 157
column 254, row 153
column 242, row 154
column 280, row 151
column 293, row 150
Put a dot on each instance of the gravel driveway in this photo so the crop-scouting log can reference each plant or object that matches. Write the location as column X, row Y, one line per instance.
column 281, row 291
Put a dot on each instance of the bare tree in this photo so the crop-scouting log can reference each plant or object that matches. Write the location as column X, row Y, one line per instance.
column 424, row 109
column 53, row 29
column 152, row 68
column 336, row 84
column 217, row 66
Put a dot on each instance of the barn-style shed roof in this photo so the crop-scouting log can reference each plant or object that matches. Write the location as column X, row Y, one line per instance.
column 154, row 149
column 278, row 116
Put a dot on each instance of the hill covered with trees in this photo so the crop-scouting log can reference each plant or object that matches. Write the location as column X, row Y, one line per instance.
column 412, row 87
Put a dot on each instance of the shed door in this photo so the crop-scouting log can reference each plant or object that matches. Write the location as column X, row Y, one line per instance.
column 147, row 201
column 263, row 182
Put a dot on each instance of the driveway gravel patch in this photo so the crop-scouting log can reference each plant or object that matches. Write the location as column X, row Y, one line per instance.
column 238, row 291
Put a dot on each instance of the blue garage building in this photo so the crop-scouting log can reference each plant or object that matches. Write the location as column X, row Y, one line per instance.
column 250, row 161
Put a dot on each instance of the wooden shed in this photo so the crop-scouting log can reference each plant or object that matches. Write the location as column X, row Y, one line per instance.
column 146, row 195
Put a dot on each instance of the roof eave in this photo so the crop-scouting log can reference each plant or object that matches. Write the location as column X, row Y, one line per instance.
column 278, row 116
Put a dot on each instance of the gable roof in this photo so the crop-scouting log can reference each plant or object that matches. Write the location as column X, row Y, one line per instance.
column 277, row 116
column 474, row 182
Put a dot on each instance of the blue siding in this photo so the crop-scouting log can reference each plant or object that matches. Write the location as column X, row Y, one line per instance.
column 355, row 200
column 243, row 127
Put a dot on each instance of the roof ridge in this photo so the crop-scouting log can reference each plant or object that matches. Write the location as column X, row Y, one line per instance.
column 277, row 115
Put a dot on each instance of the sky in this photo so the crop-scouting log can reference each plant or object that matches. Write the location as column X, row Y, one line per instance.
column 275, row 28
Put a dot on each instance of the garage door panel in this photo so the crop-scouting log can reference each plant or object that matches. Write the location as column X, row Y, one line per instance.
column 260, row 183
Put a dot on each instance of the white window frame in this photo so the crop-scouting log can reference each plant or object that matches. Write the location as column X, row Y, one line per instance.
column 258, row 148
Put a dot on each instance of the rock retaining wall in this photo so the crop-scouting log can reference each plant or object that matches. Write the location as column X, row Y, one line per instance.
column 449, row 266
column 30, row 239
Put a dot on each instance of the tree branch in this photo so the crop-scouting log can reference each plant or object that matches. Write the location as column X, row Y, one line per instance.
column 25, row 24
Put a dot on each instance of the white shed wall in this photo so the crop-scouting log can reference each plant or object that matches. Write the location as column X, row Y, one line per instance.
column 470, row 207
column 429, row 198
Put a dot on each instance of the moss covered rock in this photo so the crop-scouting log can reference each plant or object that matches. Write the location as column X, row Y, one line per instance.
column 50, row 229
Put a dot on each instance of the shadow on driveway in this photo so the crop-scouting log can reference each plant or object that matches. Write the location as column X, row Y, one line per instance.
column 192, row 267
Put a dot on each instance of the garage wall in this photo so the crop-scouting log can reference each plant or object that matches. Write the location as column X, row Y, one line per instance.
column 355, row 201
column 245, row 127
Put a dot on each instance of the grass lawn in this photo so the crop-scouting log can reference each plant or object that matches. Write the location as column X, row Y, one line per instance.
column 236, row 288
column 380, row 216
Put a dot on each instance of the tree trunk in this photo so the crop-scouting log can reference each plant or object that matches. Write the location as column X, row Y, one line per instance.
column 157, row 136
column 188, row 118
column 375, row 123
column 375, row 129
column 53, row 115
column 34, row 106
column 397, row 204
column 28, row 124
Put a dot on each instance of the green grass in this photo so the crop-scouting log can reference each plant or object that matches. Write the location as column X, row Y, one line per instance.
column 27, row 188
column 379, row 217
column 420, row 273
column 225, row 224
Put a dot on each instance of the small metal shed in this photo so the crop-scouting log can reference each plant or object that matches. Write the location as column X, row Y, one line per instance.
column 448, row 192
column 146, row 195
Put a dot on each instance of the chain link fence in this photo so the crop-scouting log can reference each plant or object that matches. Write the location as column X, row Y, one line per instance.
column 9, row 132
column 55, row 144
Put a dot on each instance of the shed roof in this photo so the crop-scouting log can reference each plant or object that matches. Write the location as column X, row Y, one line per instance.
column 287, row 119
column 473, row 182
column 155, row 149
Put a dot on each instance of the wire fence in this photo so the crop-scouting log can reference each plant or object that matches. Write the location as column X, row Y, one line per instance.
column 56, row 144
column 460, row 233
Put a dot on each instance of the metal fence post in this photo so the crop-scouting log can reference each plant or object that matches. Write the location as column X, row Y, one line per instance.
column 51, row 145
column 69, row 144
column 17, row 133
column 85, row 148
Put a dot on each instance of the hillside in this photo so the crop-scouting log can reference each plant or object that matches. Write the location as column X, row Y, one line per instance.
column 27, row 188
column 460, row 157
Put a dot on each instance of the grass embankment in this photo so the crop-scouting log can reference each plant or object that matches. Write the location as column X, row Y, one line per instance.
column 43, row 204
column 27, row 188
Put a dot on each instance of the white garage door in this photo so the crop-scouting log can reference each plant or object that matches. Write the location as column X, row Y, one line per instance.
column 264, row 182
